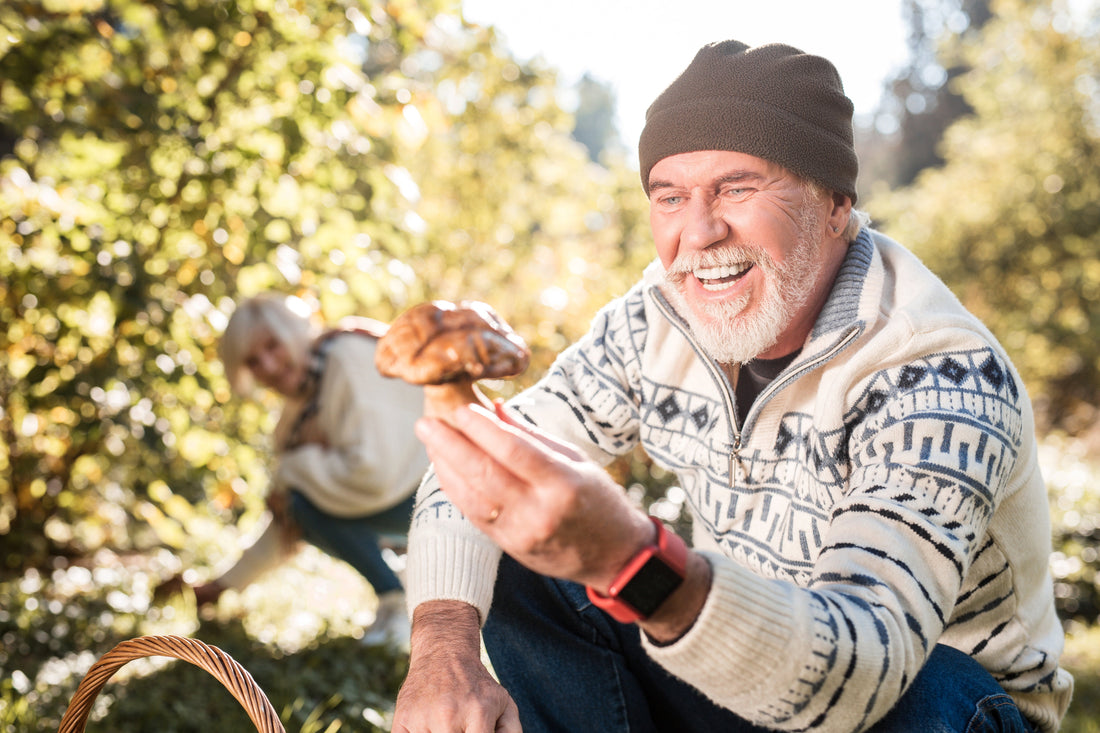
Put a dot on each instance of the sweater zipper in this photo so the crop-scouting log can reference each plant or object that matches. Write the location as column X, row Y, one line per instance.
column 736, row 465
column 735, row 458
column 716, row 374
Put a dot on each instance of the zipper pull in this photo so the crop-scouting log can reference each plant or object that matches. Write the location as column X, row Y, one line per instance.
column 735, row 459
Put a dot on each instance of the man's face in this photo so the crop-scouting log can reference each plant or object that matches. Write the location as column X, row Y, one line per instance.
column 749, row 253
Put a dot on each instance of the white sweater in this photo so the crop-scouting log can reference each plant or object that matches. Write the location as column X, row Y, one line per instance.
column 367, row 458
column 882, row 496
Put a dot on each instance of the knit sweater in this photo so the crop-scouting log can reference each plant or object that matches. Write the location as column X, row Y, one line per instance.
column 362, row 456
column 348, row 447
column 882, row 496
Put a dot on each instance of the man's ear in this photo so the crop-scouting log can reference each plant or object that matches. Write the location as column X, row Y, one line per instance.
column 839, row 214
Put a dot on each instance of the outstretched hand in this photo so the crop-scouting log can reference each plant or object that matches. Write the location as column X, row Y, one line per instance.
column 539, row 499
column 552, row 510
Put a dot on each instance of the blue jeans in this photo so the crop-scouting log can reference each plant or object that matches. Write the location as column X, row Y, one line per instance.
column 354, row 539
column 571, row 668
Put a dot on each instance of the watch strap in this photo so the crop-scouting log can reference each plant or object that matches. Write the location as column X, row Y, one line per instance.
column 647, row 581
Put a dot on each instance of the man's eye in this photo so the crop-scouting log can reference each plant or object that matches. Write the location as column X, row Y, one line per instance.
column 671, row 200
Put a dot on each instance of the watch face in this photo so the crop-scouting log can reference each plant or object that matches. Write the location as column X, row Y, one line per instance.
column 651, row 586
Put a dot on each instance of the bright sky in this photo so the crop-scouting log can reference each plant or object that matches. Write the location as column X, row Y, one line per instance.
column 639, row 46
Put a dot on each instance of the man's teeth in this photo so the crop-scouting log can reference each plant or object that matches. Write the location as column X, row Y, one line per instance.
column 717, row 278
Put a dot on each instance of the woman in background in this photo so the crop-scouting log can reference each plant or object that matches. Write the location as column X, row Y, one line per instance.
column 346, row 461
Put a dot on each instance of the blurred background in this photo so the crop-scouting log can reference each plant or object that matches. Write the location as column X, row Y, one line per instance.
column 161, row 159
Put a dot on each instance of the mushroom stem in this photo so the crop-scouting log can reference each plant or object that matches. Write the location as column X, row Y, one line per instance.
column 440, row 400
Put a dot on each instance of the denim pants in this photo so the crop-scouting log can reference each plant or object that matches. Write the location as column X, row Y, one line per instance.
column 354, row 539
column 573, row 669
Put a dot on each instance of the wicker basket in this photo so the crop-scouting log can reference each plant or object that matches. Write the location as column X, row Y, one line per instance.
column 222, row 666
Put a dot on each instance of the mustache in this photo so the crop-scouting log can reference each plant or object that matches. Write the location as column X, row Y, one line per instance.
column 686, row 264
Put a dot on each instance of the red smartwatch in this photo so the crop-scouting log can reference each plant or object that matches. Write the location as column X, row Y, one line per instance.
column 647, row 581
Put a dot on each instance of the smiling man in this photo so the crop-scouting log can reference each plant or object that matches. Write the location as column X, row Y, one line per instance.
column 757, row 296
column 870, row 533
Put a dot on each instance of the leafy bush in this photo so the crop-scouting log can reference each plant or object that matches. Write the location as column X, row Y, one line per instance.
column 1082, row 658
column 1073, row 482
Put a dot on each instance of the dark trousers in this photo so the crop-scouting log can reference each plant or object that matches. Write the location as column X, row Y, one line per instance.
column 355, row 540
column 571, row 669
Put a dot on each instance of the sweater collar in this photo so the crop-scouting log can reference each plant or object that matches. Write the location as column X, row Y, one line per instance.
column 850, row 289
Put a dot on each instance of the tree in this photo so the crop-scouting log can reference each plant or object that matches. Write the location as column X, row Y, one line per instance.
column 547, row 240
column 595, row 117
column 1011, row 220
column 920, row 101
column 168, row 157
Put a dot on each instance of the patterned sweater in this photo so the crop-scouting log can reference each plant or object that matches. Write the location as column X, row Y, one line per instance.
column 882, row 496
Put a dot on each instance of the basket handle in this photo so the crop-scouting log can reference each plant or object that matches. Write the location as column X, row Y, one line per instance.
column 232, row 675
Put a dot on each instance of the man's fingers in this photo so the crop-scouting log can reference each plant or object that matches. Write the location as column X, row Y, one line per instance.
column 478, row 501
column 555, row 445
column 521, row 448
column 476, row 483
column 509, row 721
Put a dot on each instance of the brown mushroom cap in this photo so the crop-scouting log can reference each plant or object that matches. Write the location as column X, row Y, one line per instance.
column 440, row 342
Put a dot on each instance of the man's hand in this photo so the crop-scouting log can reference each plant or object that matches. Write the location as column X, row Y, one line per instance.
column 448, row 689
column 540, row 500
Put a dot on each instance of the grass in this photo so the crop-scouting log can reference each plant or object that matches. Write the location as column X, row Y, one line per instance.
column 295, row 633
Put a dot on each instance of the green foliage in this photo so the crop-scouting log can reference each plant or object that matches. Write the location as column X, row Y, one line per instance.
column 595, row 126
column 1082, row 659
column 1012, row 219
column 1073, row 481
column 919, row 100
column 515, row 213
column 168, row 157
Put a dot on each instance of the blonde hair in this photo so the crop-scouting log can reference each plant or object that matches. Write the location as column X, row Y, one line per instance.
column 286, row 317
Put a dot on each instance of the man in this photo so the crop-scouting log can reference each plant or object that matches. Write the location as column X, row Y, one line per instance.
column 870, row 532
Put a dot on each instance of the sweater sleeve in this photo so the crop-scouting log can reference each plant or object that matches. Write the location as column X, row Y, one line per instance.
column 930, row 462
column 592, row 409
column 371, row 459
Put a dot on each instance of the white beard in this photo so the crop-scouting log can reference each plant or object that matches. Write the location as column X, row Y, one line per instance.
column 724, row 329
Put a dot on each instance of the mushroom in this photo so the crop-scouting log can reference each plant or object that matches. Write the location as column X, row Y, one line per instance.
column 446, row 347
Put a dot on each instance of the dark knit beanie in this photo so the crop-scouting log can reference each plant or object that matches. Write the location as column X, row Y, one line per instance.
column 774, row 102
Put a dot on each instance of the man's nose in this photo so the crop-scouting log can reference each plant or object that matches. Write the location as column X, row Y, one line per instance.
column 703, row 224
